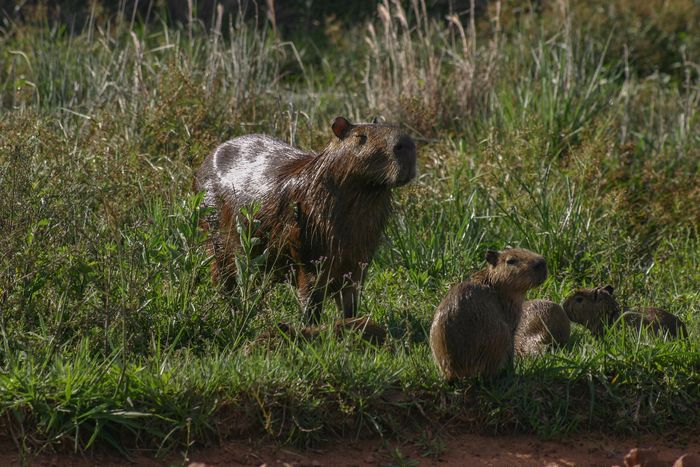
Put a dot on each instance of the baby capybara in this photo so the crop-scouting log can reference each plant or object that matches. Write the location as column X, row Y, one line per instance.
column 321, row 215
column 597, row 307
column 473, row 328
column 542, row 324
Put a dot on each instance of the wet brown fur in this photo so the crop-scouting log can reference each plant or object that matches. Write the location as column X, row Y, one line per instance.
column 473, row 328
column 597, row 307
column 324, row 215
column 543, row 323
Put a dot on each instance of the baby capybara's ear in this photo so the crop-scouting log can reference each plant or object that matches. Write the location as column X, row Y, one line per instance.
column 491, row 257
column 609, row 289
column 341, row 127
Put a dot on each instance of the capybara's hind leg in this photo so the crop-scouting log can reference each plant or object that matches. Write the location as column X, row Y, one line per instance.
column 223, row 265
column 310, row 296
column 211, row 249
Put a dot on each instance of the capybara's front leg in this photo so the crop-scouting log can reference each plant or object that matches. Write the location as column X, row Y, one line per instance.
column 347, row 300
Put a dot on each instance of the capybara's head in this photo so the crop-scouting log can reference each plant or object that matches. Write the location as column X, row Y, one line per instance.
column 515, row 269
column 371, row 154
column 594, row 308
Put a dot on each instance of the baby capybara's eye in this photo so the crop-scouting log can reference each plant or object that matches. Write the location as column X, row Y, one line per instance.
column 361, row 139
column 512, row 261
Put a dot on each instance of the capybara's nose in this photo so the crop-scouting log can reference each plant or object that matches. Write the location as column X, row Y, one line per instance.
column 405, row 148
column 405, row 152
column 540, row 265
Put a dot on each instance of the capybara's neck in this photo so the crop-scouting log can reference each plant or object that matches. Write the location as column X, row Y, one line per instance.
column 511, row 304
column 513, row 307
column 340, row 213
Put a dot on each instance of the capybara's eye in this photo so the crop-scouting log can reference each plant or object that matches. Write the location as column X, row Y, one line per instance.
column 512, row 261
column 362, row 139
column 579, row 299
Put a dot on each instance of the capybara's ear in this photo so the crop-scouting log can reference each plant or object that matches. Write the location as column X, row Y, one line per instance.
column 341, row 127
column 609, row 289
column 491, row 257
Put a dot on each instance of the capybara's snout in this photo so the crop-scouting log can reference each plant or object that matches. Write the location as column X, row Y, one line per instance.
column 540, row 267
column 405, row 152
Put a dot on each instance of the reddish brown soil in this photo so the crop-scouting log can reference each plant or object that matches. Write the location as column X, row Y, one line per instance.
column 448, row 450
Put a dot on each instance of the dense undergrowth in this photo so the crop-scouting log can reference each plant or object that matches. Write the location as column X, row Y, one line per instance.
column 571, row 129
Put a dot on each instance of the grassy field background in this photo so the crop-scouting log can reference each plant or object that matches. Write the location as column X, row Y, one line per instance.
column 569, row 128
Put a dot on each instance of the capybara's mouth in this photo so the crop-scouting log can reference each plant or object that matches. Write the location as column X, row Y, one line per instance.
column 538, row 278
column 540, row 270
column 405, row 153
column 407, row 174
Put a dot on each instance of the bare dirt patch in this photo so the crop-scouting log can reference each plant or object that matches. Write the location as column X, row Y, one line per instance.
column 461, row 449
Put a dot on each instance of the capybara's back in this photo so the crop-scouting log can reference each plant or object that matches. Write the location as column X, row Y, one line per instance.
column 472, row 331
column 543, row 323
column 656, row 320
column 468, row 337
column 242, row 173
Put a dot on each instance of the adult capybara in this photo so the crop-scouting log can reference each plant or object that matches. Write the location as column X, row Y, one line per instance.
column 320, row 214
column 597, row 307
column 473, row 328
column 542, row 324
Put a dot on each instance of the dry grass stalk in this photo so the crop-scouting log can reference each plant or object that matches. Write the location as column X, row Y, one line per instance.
column 422, row 73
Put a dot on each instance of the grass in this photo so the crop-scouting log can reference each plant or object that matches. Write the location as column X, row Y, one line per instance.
column 536, row 129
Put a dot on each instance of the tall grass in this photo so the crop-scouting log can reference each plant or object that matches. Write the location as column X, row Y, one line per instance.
column 425, row 72
column 534, row 130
